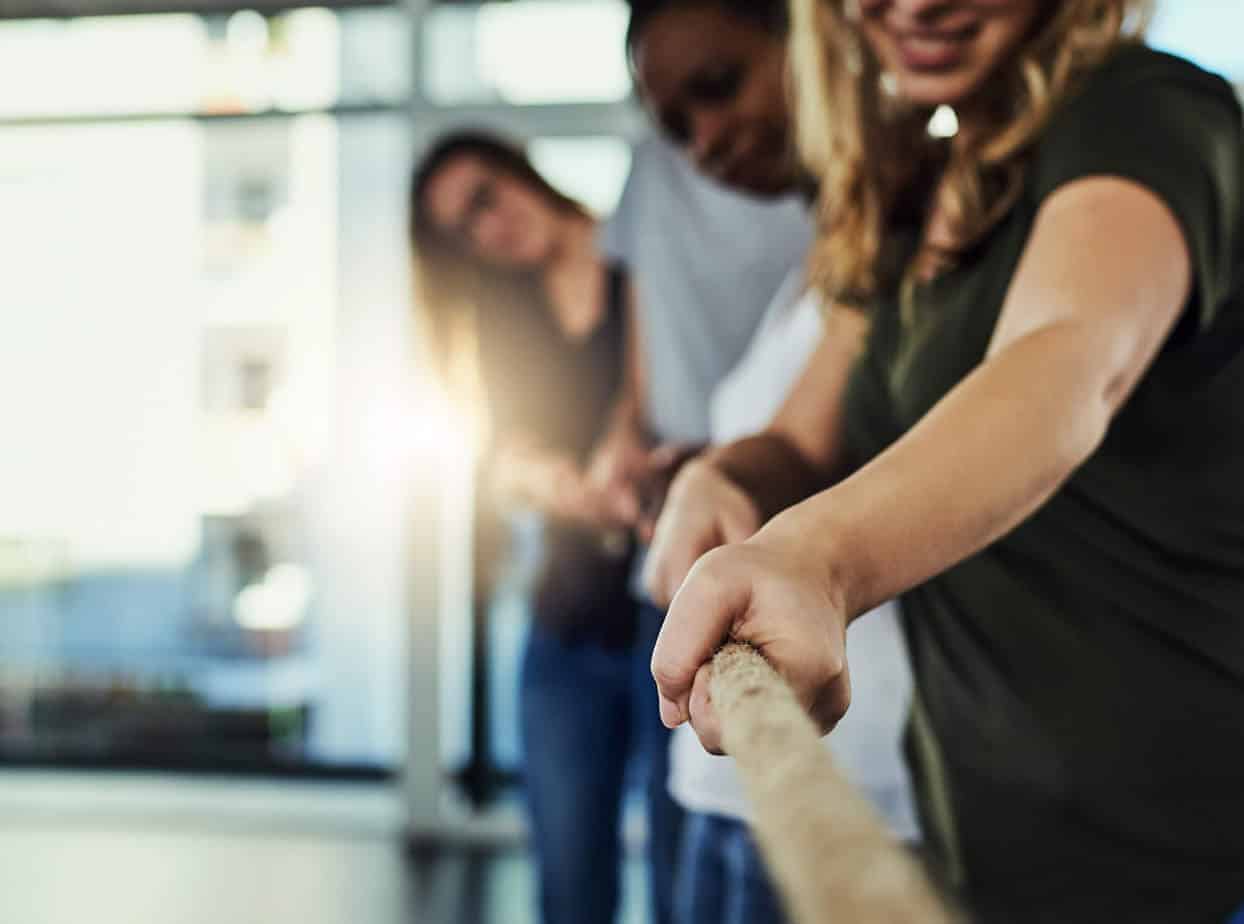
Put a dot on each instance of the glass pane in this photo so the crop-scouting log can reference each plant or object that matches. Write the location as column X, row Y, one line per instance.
column 1206, row 31
column 102, row 65
column 376, row 55
column 181, row 578
column 521, row 52
column 36, row 9
column 592, row 170
column 236, row 63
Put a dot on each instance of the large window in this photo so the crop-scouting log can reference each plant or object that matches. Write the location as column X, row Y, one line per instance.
column 200, row 551
column 206, row 388
column 224, row 64
column 1207, row 31
column 526, row 53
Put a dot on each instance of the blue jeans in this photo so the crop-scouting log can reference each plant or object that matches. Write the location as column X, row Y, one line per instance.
column 722, row 878
column 586, row 711
column 665, row 816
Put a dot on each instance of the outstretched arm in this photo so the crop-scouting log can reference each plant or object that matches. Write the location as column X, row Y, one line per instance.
column 1101, row 284
column 620, row 460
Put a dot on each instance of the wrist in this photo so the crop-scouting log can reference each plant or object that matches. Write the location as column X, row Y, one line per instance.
column 627, row 422
column 826, row 550
column 770, row 470
column 701, row 472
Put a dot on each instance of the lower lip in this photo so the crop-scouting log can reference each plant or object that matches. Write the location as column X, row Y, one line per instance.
column 761, row 167
column 931, row 56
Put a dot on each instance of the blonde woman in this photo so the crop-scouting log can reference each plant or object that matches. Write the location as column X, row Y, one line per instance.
column 1039, row 445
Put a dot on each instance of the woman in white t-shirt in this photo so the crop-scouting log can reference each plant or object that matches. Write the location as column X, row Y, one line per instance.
column 866, row 743
column 720, row 868
column 713, row 75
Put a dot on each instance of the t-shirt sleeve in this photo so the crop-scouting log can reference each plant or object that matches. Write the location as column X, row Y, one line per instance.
column 616, row 238
column 1175, row 130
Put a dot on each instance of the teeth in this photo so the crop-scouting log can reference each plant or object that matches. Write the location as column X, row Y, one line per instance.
column 930, row 44
column 937, row 39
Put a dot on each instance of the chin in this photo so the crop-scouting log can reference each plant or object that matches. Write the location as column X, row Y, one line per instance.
column 770, row 185
column 515, row 263
column 530, row 257
column 936, row 89
column 763, row 190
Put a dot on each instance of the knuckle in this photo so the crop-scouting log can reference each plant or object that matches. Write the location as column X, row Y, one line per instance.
column 710, row 739
column 835, row 665
column 714, row 568
column 667, row 676
column 709, row 566
column 681, row 486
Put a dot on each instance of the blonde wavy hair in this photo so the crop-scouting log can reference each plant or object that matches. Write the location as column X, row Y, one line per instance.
column 869, row 151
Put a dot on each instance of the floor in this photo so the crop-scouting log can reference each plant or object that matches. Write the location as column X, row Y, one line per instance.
column 85, row 851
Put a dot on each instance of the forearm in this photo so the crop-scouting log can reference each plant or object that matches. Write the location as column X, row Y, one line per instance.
column 628, row 417
column 524, row 474
column 803, row 450
column 981, row 461
column 770, row 469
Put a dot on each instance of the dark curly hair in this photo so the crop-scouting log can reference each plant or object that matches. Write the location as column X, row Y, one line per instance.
column 770, row 15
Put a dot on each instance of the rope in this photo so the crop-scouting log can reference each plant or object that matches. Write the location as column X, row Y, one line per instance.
column 830, row 855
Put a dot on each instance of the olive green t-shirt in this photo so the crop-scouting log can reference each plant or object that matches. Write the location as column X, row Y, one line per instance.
column 1078, row 731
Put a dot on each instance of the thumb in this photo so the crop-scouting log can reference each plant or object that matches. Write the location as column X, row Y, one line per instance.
column 736, row 526
column 646, row 528
column 623, row 501
column 737, row 517
column 663, row 456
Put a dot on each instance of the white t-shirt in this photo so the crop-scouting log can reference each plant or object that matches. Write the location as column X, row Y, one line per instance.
column 704, row 262
column 866, row 743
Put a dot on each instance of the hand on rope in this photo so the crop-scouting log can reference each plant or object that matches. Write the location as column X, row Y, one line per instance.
column 702, row 511
column 772, row 592
column 632, row 480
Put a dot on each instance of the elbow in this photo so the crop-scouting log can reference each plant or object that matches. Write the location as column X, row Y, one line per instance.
column 1081, row 435
column 1105, row 393
column 1082, row 402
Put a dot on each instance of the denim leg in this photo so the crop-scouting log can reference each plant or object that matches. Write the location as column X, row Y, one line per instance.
column 700, row 892
column 752, row 897
column 576, row 737
column 664, row 814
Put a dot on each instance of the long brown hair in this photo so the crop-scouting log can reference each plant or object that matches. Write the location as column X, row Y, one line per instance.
column 454, row 289
column 868, row 149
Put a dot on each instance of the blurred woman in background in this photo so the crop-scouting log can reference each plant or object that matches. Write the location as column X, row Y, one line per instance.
column 510, row 284
column 1040, row 447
